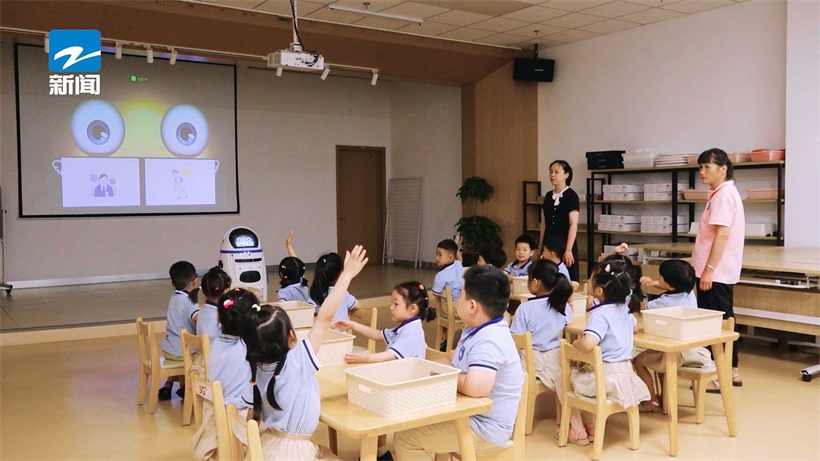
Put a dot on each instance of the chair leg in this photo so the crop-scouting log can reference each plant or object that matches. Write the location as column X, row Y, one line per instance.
column 187, row 402
column 530, row 411
column 333, row 440
column 451, row 334
column 558, row 407
column 153, row 396
column 598, row 443
column 700, row 400
column 563, row 431
column 141, row 389
column 439, row 336
column 634, row 427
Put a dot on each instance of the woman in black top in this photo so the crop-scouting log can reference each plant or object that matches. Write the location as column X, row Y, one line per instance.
column 561, row 211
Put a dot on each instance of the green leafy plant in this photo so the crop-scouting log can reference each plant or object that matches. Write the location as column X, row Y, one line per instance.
column 477, row 231
column 476, row 188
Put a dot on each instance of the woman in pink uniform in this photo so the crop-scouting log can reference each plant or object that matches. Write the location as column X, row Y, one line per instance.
column 718, row 253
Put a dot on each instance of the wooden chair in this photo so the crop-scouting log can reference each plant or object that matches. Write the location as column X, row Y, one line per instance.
column 244, row 437
column 523, row 342
column 204, row 390
column 513, row 449
column 152, row 365
column 434, row 354
column 202, row 346
column 446, row 321
column 373, row 305
column 599, row 406
column 701, row 377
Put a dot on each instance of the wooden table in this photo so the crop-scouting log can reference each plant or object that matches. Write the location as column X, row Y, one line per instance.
column 670, row 347
column 366, row 426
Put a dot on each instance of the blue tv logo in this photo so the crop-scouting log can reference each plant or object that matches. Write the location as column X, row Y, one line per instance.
column 74, row 51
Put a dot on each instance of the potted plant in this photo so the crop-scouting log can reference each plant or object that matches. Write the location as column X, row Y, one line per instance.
column 476, row 231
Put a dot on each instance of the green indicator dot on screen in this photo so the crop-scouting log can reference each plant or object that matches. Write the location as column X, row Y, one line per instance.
column 133, row 78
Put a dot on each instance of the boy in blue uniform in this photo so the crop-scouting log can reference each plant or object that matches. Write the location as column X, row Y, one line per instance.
column 452, row 270
column 489, row 364
column 182, row 313
column 524, row 249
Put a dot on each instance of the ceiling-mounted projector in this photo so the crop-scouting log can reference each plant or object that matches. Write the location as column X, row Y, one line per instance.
column 297, row 59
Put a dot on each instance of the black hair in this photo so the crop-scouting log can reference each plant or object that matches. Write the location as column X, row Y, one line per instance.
column 559, row 287
column 719, row 158
column 232, row 310
column 215, row 282
column 613, row 277
column 555, row 244
column 267, row 334
column 101, row 176
column 635, row 274
column 415, row 293
column 489, row 287
column 448, row 245
column 328, row 268
column 182, row 273
column 493, row 255
column 564, row 166
column 525, row 238
column 680, row 275
column 292, row 271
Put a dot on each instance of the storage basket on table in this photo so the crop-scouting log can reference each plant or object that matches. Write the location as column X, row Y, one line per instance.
column 401, row 386
column 335, row 346
column 300, row 313
column 682, row 323
column 519, row 285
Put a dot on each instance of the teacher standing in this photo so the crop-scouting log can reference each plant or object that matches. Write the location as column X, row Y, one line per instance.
column 718, row 252
column 561, row 209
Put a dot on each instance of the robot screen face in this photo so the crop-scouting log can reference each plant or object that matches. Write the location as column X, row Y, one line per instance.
column 244, row 241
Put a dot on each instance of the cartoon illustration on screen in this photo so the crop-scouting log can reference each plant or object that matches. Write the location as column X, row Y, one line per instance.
column 103, row 189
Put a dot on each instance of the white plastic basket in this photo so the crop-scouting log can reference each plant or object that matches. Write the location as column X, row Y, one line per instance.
column 300, row 313
column 519, row 285
column 682, row 323
column 401, row 386
column 334, row 347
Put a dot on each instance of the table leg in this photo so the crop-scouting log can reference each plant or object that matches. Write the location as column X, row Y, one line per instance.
column 724, row 371
column 369, row 448
column 465, row 439
column 333, row 440
column 671, row 397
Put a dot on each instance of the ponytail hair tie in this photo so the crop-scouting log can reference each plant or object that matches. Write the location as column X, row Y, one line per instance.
column 607, row 269
column 228, row 303
column 256, row 307
column 253, row 383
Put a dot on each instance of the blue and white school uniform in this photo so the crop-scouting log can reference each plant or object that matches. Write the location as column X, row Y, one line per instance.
column 180, row 315
column 656, row 360
column 208, row 321
column 513, row 269
column 562, row 269
column 451, row 275
column 490, row 348
column 227, row 364
column 407, row 339
column 547, row 327
column 348, row 303
column 296, row 292
column 286, row 433
column 612, row 324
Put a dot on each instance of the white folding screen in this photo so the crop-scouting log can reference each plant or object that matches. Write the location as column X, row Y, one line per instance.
column 402, row 236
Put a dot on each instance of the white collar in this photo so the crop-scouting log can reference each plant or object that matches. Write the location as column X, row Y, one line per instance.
column 557, row 197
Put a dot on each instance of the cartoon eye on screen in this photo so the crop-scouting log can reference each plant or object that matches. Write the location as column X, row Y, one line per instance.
column 97, row 128
column 184, row 131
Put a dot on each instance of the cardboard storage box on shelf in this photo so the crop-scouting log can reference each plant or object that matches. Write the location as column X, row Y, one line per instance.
column 662, row 219
column 620, row 218
column 610, row 249
column 623, row 196
column 300, row 313
column 662, row 187
column 659, row 196
column 622, row 188
column 519, row 285
column 682, row 323
column 334, row 347
column 402, row 386
column 619, row 227
column 662, row 228
column 759, row 229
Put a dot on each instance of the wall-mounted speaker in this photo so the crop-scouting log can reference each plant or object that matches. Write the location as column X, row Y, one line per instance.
column 533, row 69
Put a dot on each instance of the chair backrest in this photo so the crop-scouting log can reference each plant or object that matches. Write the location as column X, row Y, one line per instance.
column 446, row 307
column 147, row 343
column 201, row 344
column 523, row 342
column 433, row 354
column 520, row 429
column 244, row 434
column 205, row 390
column 593, row 358
column 374, row 304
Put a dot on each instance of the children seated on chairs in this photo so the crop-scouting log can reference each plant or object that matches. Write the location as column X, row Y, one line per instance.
column 328, row 270
column 285, row 391
column 553, row 250
column 294, row 285
column 678, row 279
column 611, row 326
column 451, row 270
column 545, row 316
column 493, row 255
column 524, row 249
column 228, row 365
column 214, row 284
column 182, row 313
column 489, row 364
column 409, row 308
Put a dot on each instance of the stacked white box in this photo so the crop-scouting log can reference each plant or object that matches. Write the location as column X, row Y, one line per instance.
column 618, row 227
column 622, row 188
column 623, row 196
column 662, row 228
column 662, row 219
column 610, row 249
column 661, row 187
column 660, row 196
column 620, row 219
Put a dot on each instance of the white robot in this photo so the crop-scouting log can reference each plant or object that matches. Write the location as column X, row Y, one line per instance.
column 241, row 257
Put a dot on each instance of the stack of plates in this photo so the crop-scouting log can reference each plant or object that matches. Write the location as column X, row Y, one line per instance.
column 670, row 160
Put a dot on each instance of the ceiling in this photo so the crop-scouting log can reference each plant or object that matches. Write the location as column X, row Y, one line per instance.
column 513, row 23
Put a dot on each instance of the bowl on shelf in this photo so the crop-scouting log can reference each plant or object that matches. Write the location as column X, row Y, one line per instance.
column 768, row 155
column 764, row 194
column 740, row 157
column 696, row 194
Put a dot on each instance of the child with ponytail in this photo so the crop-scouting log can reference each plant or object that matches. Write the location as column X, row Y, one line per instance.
column 214, row 284
column 328, row 268
column 294, row 285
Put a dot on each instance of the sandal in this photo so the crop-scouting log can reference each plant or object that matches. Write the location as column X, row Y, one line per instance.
column 713, row 387
column 736, row 381
column 590, row 429
column 577, row 438
column 653, row 407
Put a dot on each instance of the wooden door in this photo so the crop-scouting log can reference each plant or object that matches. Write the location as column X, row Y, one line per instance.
column 360, row 199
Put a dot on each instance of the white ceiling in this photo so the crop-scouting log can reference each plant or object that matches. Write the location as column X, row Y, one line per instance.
column 516, row 23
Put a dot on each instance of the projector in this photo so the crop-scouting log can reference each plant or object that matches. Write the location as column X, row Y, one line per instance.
column 296, row 59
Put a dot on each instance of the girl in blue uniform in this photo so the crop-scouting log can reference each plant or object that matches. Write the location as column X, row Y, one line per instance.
column 285, row 391
column 328, row 268
column 214, row 284
column 294, row 285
